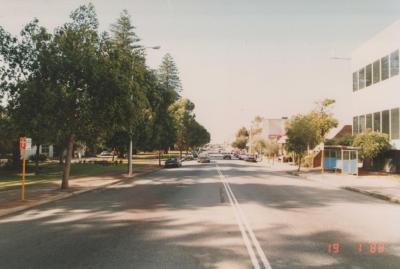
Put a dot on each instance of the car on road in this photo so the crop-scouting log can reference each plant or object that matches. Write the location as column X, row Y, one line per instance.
column 251, row 158
column 173, row 162
column 242, row 156
column 227, row 157
column 204, row 159
column 189, row 157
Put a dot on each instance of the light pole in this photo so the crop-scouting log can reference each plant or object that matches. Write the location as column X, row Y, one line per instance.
column 130, row 169
column 323, row 142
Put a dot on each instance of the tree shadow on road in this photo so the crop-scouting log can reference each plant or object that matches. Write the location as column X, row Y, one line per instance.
column 160, row 219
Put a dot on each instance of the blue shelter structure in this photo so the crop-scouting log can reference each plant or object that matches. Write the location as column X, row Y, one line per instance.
column 343, row 158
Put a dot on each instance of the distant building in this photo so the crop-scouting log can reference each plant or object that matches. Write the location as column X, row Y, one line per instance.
column 273, row 129
column 47, row 150
column 268, row 129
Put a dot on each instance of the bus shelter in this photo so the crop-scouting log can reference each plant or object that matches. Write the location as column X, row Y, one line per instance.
column 341, row 158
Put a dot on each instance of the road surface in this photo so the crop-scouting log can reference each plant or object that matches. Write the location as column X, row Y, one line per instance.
column 226, row 214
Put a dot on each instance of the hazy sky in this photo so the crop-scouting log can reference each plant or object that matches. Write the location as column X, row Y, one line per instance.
column 239, row 59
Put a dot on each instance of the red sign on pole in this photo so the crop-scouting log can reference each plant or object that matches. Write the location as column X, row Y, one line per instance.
column 22, row 143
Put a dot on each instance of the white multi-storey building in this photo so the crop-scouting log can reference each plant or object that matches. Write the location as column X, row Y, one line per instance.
column 376, row 85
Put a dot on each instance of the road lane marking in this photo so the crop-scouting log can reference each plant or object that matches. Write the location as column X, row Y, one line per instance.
column 245, row 237
column 244, row 227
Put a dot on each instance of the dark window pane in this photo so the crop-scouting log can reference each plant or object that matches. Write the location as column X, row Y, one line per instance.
column 394, row 120
column 361, row 124
column 368, row 124
column 355, row 81
column 394, row 63
column 361, row 78
column 377, row 121
column 376, row 71
column 385, row 67
column 385, row 121
column 368, row 75
column 355, row 125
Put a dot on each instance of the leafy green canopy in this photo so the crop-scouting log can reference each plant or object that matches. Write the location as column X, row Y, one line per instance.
column 372, row 144
column 241, row 139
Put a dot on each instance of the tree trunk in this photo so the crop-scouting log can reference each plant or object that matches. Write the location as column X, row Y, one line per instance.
column 299, row 160
column 61, row 158
column 67, row 165
column 113, row 154
column 16, row 156
column 37, row 159
column 159, row 158
column 180, row 153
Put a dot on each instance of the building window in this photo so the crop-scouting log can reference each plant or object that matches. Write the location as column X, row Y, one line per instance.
column 368, row 124
column 355, row 81
column 376, row 66
column 368, row 75
column 355, row 125
column 394, row 121
column 394, row 63
column 45, row 149
column 385, row 121
column 361, row 78
column 377, row 121
column 361, row 124
column 384, row 67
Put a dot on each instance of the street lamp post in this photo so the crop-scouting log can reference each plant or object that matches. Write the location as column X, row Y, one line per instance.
column 130, row 169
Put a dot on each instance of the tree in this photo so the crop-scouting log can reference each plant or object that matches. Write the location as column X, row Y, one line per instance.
column 301, row 134
column 168, row 74
column 182, row 111
column 124, row 36
column 372, row 144
column 27, row 62
column 323, row 118
column 95, row 91
column 33, row 108
column 241, row 139
column 271, row 148
column 198, row 136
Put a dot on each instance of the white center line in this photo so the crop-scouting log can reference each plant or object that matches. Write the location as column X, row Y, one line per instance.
column 245, row 227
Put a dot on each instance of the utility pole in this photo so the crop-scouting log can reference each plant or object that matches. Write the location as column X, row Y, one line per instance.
column 130, row 169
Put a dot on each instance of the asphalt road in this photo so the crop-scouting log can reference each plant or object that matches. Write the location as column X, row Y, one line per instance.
column 227, row 214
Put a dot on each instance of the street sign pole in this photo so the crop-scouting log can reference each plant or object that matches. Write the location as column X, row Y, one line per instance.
column 22, row 146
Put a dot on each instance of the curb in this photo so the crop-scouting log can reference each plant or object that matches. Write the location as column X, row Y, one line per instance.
column 67, row 195
column 374, row 194
column 298, row 174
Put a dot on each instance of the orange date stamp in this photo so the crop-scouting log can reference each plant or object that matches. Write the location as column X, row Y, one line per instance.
column 367, row 248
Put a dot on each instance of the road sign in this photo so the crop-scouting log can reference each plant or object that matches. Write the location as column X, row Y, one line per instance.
column 28, row 143
column 22, row 143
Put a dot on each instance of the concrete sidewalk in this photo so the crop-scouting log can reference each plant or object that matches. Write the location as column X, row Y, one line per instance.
column 39, row 194
column 383, row 187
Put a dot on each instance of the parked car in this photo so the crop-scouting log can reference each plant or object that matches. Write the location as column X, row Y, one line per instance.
column 251, row 158
column 106, row 154
column 173, row 162
column 242, row 156
column 227, row 157
column 189, row 157
column 204, row 159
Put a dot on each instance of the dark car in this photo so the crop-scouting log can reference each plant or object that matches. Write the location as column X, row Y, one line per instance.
column 173, row 162
column 227, row 157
